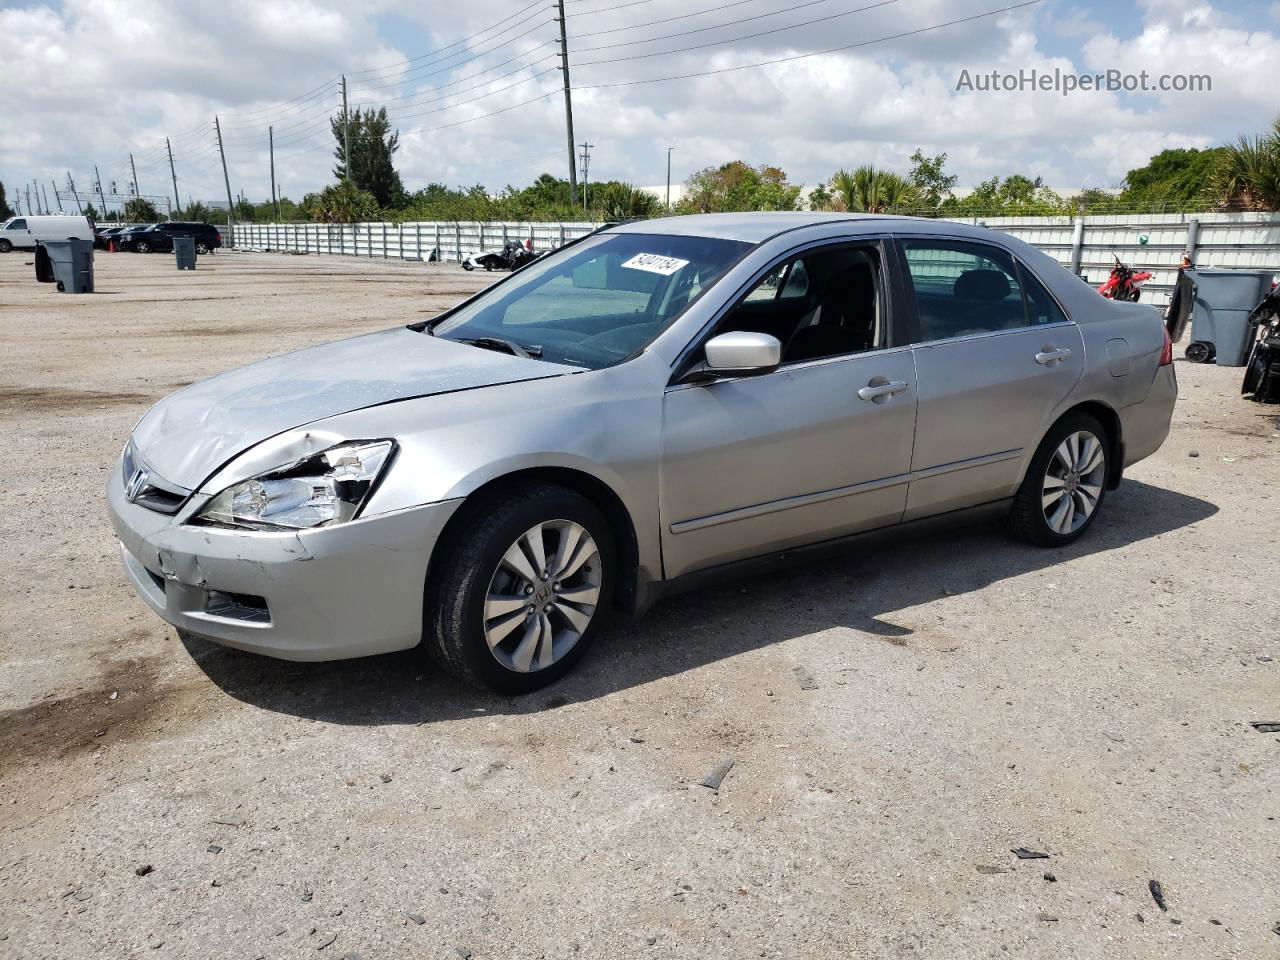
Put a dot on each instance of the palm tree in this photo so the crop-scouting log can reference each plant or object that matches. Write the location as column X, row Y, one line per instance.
column 622, row 201
column 1249, row 176
column 868, row 190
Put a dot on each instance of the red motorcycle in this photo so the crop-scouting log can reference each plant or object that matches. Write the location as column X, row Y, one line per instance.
column 1124, row 283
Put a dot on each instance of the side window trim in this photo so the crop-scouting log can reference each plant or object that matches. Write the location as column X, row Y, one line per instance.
column 910, row 308
column 883, row 243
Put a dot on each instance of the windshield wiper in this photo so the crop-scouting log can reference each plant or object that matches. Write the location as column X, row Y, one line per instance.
column 509, row 346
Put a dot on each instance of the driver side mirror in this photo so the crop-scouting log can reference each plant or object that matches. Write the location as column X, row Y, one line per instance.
column 739, row 353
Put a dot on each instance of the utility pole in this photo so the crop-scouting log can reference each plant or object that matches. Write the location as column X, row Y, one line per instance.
column 97, row 177
column 36, row 192
column 217, row 127
column 669, row 149
column 45, row 197
column 177, row 204
column 72, row 184
column 134, row 170
column 57, row 198
column 271, row 148
column 346, row 134
column 568, row 105
column 30, row 209
column 586, row 170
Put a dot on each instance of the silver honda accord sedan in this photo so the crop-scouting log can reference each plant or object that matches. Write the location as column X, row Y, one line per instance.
column 657, row 400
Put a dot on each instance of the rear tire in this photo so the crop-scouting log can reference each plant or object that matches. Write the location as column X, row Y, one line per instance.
column 202, row 249
column 1065, row 485
column 496, row 628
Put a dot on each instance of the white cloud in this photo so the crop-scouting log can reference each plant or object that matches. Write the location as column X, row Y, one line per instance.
column 96, row 79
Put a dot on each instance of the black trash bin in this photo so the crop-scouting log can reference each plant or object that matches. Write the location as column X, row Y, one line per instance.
column 184, row 252
column 44, row 266
column 68, row 263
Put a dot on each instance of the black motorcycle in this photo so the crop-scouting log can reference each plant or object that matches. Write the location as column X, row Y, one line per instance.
column 1262, row 371
column 512, row 256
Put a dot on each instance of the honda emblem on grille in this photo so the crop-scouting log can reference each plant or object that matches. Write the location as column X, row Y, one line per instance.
column 136, row 484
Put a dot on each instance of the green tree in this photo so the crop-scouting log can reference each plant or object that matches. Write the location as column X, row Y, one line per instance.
column 373, row 145
column 1093, row 200
column 820, row 198
column 343, row 203
column 195, row 211
column 90, row 212
column 6, row 211
column 1176, row 179
column 868, row 190
column 931, row 181
column 1248, row 176
column 739, row 186
column 140, row 210
column 622, row 201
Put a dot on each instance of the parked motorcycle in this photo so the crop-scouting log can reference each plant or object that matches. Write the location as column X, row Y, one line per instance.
column 1124, row 283
column 1262, row 370
column 512, row 256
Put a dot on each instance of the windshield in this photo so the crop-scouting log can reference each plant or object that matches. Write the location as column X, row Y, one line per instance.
column 597, row 302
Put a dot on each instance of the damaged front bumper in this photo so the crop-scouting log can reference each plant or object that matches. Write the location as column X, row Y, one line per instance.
column 348, row 590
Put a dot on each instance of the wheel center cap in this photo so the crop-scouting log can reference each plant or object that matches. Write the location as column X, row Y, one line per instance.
column 543, row 593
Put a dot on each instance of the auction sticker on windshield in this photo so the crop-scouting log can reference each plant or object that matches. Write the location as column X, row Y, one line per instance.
column 655, row 263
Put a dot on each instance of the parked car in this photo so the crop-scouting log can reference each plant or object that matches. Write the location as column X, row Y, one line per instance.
column 104, row 236
column 23, row 233
column 124, row 239
column 654, row 402
column 158, row 237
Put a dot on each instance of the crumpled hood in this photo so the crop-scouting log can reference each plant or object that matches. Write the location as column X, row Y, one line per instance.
column 191, row 433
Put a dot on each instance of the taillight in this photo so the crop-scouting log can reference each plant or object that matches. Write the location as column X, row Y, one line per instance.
column 1166, row 354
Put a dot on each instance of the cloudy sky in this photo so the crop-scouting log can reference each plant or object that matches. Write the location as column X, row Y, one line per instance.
column 475, row 89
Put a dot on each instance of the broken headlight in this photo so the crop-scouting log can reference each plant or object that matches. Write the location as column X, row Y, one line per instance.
column 325, row 488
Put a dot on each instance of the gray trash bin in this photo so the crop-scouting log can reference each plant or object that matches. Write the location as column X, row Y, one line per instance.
column 1220, row 314
column 184, row 251
column 71, row 263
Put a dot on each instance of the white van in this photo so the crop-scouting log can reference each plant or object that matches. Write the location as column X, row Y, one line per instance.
column 23, row 233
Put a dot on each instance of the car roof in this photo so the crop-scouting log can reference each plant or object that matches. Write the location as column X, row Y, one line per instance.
column 759, row 227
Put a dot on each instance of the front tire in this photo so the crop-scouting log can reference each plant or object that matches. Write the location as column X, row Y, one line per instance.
column 6, row 246
column 1065, row 484
column 519, row 592
column 144, row 247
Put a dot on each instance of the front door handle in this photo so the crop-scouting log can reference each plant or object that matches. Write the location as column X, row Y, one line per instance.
column 879, row 389
column 1051, row 355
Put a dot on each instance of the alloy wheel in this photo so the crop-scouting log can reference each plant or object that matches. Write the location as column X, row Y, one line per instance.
column 543, row 595
column 1073, row 482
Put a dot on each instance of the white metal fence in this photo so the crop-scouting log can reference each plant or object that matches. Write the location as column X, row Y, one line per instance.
column 1152, row 242
column 1087, row 245
column 423, row 240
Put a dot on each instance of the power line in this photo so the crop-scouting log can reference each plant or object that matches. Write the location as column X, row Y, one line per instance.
column 654, row 23
column 432, row 53
column 717, row 43
column 805, row 56
column 405, row 78
column 446, row 126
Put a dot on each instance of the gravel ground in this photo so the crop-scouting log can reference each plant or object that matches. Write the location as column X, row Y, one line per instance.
column 899, row 718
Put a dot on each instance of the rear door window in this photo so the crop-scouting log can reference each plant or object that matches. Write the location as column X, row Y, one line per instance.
column 964, row 288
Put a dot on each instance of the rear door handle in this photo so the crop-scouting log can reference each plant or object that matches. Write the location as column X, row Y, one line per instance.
column 1050, row 355
column 880, row 389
